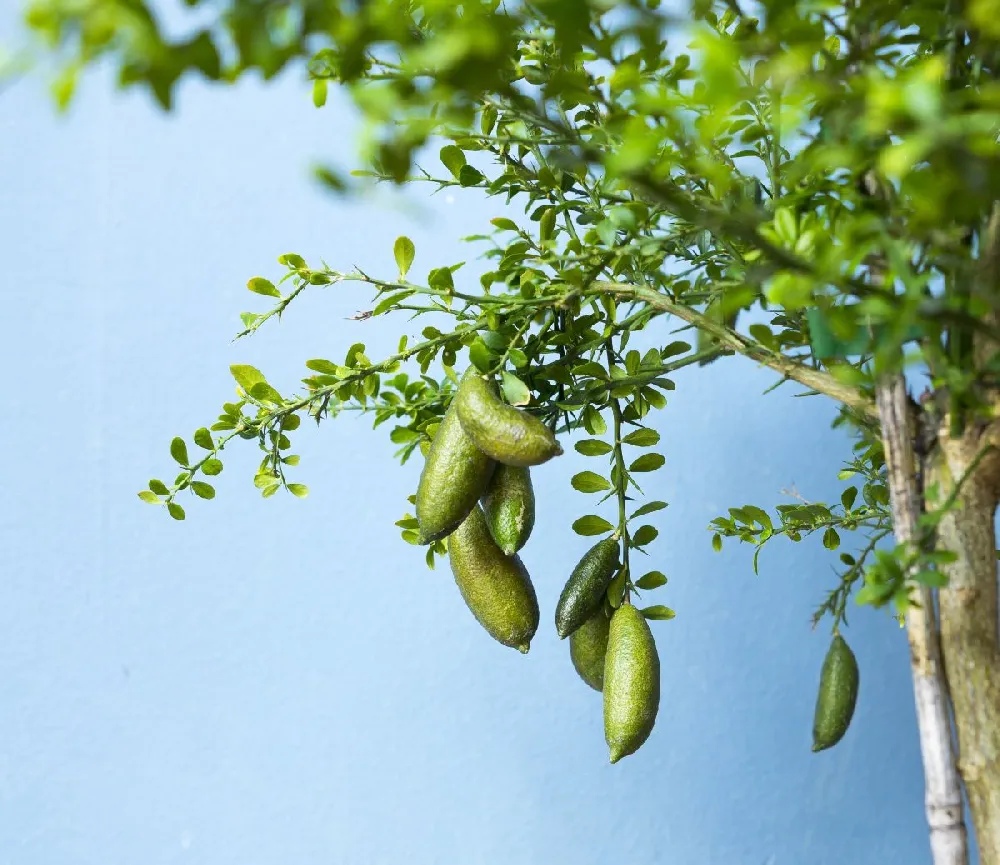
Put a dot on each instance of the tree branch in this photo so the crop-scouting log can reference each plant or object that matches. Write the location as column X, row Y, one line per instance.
column 817, row 380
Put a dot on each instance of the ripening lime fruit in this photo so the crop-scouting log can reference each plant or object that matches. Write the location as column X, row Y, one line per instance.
column 838, row 694
column 505, row 433
column 455, row 475
column 588, row 648
column 631, row 683
column 584, row 590
column 509, row 506
column 496, row 588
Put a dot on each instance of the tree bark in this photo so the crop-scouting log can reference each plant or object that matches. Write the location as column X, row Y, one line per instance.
column 943, row 792
column 968, row 469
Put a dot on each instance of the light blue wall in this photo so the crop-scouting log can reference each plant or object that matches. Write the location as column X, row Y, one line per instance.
column 282, row 682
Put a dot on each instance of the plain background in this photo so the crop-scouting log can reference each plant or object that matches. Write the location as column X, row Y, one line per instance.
column 283, row 682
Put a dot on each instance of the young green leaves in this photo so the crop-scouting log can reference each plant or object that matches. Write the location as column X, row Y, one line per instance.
column 838, row 694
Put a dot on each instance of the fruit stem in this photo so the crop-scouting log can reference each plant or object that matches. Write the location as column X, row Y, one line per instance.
column 621, row 480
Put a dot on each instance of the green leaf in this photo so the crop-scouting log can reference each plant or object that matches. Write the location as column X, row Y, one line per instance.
column 831, row 540
column 259, row 285
column 592, row 447
column 480, row 355
column 319, row 92
column 642, row 438
column 298, row 490
column 589, row 482
column 488, row 120
column 647, row 463
column 264, row 479
column 717, row 542
column 150, row 497
column 592, row 525
column 179, row 451
column 211, row 467
column 203, row 438
column 158, row 487
column 644, row 535
column 648, row 508
column 786, row 225
column 658, row 612
column 246, row 376
column 404, row 252
column 616, row 591
column 265, row 393
column 325, row 367
column 205, row 491
column 514, row 390
column 175, row 510
column 452, row 158
column 848, row 496
column 652, row 580
column 504, row 224
column 469, row 176
column 547, row 224
column 593, row 422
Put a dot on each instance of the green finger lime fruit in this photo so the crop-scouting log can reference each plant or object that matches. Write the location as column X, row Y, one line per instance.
column 585, row 588
column 509, row 505
column 588, row 648
column 495, row 587
column 505, row 433
column 631, row 683
column 455, row 475
column 838, row 694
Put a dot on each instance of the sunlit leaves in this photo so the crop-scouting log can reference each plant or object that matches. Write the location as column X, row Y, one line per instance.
column 592, row 447
column 590, row 482
column 651, row 580
column 642, row 438
column 404, row 252
column 178, row 450
column 647, row 463
column 592, row 525
column 259, row 285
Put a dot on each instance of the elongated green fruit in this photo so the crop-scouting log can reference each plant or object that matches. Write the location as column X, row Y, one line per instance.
column 585, row 588
column 455, row 475
column 496, row 588
column 838, row 694
column 509, row 505
column 506, row 434
column 631, row 683
column 588, row 648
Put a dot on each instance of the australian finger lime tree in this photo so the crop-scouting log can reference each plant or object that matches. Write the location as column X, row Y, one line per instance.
column 812, row 185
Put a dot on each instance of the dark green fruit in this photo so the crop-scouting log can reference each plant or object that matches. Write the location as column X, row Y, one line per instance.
column 586, row 586
column 496, row 588
column 455, row 475
column 838, row 694
column 501, row 431
column 631, row 683
column 509, row 505
column 588, row 647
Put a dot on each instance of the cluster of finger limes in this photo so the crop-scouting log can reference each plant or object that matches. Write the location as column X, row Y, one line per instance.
column 475, row 489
